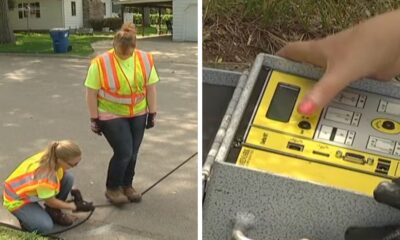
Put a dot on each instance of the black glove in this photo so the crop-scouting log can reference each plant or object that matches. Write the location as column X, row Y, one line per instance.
column 94, row 126
column 151, row 117
column 76, row 194
column 388, row 193
column 81, row 205
column 84, row 206
column 389, row 232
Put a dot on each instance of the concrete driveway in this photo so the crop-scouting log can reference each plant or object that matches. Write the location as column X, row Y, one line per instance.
column 42, row 99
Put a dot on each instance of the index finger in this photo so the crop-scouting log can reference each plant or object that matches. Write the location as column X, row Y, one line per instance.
column 304, row 51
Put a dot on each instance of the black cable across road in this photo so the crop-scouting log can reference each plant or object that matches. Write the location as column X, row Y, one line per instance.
column 104, row 205
column 156, row 183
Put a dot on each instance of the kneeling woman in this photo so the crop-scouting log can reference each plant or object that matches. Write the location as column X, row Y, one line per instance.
column 44, row 177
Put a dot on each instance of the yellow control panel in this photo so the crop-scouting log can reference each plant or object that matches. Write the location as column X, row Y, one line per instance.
column 352, row 144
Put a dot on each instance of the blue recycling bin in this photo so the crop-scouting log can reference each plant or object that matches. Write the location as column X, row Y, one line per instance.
column 60, row 39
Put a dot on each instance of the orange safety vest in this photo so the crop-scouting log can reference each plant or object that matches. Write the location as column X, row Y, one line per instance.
column 113, row 81
column 20, row 187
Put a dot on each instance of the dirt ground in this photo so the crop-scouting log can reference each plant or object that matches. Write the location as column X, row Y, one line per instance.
column 234, row 32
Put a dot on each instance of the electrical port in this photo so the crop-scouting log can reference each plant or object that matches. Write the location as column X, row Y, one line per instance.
column 383, row 166
column 321, row 153
column 295, row 146
column 355, row 158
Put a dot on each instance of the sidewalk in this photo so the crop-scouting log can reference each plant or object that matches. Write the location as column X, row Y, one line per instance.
column 42, row 99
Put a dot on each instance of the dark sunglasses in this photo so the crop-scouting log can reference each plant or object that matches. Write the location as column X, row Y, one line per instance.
column 71, row 165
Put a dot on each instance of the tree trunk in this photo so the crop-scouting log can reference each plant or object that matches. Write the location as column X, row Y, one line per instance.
column 6, row 32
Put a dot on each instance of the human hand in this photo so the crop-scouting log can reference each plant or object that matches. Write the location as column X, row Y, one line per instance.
column 388, row 193
column 84, row 206
column 369, row 49
column 81, row 205
column 150, row 122
column 72, row 206
column 94, row 126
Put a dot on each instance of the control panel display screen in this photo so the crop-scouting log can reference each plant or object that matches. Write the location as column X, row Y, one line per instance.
column 283, row 102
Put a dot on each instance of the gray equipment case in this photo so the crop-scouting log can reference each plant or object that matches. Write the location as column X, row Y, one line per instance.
column 241, row 203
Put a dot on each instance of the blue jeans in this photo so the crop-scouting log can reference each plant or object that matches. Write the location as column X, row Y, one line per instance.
column 33, row 217
column 124, row 136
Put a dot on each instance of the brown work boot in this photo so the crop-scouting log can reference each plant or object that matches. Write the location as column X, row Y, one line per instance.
column 132, row 194
column 59, row 217
column 116, row 196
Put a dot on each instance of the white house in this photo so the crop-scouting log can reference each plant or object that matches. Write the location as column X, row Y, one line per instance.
column 184, row 15
column 184, row 20
column 47, row 14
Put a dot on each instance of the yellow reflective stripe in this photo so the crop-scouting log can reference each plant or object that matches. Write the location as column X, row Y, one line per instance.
column 21, row 185
column 10, row 195
column 18, row 182
column 108, row 70
column 121, row 109
column 112, row 98
column 28, row 181
column 146, row 63
column 121, row 100
column 102, row 75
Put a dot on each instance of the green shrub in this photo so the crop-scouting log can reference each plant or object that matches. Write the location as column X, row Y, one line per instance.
column 137, row 18
column 164, row 17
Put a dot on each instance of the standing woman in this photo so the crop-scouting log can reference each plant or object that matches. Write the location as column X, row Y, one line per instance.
column 44, row 177
column 121, row 97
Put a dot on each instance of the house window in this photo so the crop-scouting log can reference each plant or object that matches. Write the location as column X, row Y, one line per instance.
column 25, row 9
column 20, row 11
column 104, row 8
column 73, row 8
column 31, row 10
column 35, row 9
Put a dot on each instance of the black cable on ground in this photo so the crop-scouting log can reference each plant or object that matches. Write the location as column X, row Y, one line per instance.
column 148, row 189
column 73, row 226
column 104, row 205
column 173, row 170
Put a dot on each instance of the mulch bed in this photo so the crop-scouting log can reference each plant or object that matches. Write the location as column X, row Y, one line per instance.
column 233, row 44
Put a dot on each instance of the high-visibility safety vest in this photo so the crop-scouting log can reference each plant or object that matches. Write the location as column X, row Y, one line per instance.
column 20, row 187
column 117, row 95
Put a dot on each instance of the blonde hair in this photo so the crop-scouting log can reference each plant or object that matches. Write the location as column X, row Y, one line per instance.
column 125, row 38
column 64, row 150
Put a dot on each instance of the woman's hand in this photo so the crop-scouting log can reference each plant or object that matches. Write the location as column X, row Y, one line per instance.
column 72, row 206
column 94, row 126
column 60, row 204
column 370, row 49
column 151, row 120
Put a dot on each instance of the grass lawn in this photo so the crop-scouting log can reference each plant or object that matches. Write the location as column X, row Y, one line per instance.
column 41, row 43
column 11, row 234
